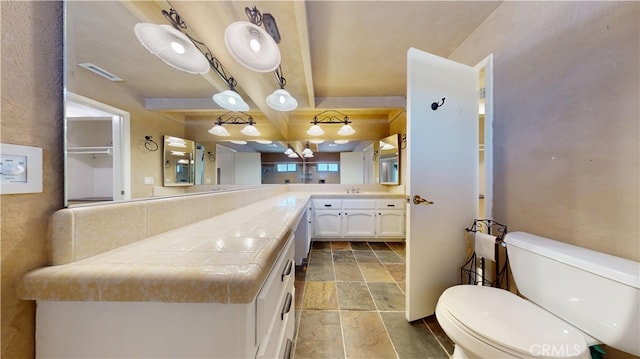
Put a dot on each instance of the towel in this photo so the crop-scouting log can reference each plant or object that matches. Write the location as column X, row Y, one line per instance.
column 485, row 246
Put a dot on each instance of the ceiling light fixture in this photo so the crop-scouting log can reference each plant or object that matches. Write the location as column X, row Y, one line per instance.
column 180, row 50
column 172, row 46
column 248, row 130
column 288, row 151
column 341, row 142
column 281, row 99
column 264, row 142
column 252, row 46
column 329, row 116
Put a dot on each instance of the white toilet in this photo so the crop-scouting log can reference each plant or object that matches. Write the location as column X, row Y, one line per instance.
column 575, row 298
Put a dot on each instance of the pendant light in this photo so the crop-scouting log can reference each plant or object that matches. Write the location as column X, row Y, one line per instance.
column 230, row 100
column 346, row 130
column 250, row 130
column 251, row 45
column 172, row 46
column 218, row 130
column 307, row 150
column 281, row 99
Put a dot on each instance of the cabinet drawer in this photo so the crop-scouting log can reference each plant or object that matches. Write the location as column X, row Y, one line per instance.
column 273, row 293
column 398, row 203
column 280, row 334
column 358, row 204
column 327, row 203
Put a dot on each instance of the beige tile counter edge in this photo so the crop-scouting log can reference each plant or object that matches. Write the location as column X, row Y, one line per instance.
column 249, row 238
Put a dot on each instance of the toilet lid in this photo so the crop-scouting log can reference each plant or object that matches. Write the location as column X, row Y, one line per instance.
column 505, row 320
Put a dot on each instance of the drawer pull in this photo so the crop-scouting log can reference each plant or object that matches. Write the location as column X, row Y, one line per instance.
column 287, row 350
column 391, row 205
column 327, row 205
column 287, row 270
column 286, row 307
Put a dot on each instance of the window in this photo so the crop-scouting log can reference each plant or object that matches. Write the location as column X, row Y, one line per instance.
column 286, row 167
column 327, row 167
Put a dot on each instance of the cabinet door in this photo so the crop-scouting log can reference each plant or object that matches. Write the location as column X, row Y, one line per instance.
column 328, row 223
column 390, row 223
column 358, row 223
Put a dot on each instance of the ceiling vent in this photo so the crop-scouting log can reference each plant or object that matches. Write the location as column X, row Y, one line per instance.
column 100, row 71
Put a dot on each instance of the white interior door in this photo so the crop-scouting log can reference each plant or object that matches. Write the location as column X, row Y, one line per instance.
column 442, row 152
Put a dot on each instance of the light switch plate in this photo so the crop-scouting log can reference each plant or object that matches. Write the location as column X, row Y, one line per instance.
column 148, row 180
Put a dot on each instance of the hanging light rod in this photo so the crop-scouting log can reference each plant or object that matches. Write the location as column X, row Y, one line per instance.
column 249, row 129
column 179, row 49
column 330, row 117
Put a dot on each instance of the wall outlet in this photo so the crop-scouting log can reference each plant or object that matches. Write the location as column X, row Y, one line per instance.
column 148, row 180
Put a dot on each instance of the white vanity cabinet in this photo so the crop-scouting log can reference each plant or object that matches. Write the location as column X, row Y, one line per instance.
column 327, row 217
column 390, row 218
column 303, row 234
column 358, row 217
column 262, row 328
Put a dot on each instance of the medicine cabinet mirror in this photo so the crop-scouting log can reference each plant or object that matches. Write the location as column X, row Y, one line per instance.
column 179, row 161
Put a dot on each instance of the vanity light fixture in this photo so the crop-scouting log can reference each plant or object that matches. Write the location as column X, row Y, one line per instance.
column 341, row 142
column 248, row 130
column 316, row 142
column 288, row 151
column 238, row 142
column 180, row 50
column 281, row 99
column 330, row 116
column 252, row 46
column 264, row 142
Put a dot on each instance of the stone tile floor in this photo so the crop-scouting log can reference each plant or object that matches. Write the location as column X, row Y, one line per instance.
column 350, row 304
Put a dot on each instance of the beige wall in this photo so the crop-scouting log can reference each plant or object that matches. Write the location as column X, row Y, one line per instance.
column 566, row 130
column 566, row 125
column 31, row 116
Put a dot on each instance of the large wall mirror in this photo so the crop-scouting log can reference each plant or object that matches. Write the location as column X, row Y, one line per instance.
column 106, row 64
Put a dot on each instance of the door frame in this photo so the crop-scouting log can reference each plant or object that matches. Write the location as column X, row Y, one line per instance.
column 487, row 65
column 121, row 145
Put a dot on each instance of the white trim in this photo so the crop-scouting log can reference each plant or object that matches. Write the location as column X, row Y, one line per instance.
column 487, row 64
column 121, row 145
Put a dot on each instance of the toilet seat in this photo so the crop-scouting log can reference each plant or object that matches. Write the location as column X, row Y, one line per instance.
column 498, row 320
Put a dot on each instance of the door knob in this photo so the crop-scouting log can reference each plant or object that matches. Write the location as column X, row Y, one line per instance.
column 417, row 200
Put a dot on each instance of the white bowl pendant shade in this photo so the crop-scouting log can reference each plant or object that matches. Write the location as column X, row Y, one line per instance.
column 315, row 130
column 250, row 130
column 281, row 100
column 252, row 46
column 218, row 130
column 172, row 47
column 346, row 130
column 231, row 101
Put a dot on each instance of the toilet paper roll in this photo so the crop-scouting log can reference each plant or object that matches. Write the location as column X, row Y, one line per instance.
column 485, row 246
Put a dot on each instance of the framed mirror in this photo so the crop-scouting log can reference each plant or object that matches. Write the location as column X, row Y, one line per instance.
column 389, row 160
column 179, row 161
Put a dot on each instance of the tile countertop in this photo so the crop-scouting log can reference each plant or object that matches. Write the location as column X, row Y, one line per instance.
column 223, row 259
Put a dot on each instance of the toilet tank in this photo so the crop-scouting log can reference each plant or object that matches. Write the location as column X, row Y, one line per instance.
column 595, row 292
